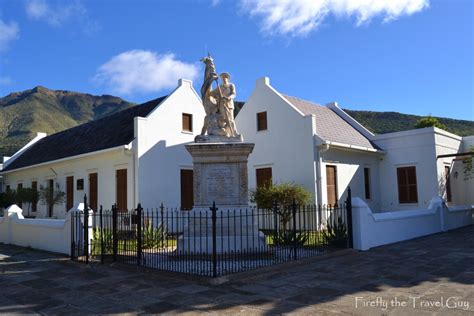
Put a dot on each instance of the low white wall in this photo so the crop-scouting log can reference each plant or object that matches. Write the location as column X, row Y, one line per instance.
column 44, row 234
column 377, row 229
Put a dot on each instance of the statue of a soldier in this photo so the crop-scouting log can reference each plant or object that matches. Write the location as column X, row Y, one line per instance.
column 225, row 94
column 219, row 123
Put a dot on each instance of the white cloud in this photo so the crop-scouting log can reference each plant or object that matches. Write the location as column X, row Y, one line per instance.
column 61, row 13
column 8, row 33
column 5, row 81
column 299, row 17
column 141, row 71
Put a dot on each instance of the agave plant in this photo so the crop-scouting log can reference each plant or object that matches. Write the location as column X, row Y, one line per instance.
column 99, row 236
column 289, row 238
column 336, row 234
column 153, row 237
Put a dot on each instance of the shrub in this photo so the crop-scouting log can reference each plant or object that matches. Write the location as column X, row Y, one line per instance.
column 153, row 237
column 289, row 238
column 336, row 235
column 282, row 196
column 107, row 236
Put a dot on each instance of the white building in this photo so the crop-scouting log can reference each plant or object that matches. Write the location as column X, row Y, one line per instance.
column 136, row 155
column 326, row 150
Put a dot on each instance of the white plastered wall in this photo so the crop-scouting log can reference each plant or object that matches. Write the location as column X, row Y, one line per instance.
column 160, row 147
column 104, row 163
column 287, row 146
column 408, row 148
column 350, row 172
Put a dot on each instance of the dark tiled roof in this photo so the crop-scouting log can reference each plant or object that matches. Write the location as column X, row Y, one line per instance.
column 108, row 132
column 330, row 126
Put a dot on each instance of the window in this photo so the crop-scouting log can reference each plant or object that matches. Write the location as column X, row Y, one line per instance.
column 448, row 184
column 7, row 188
column 187, row 194
column 331, row 185
column 407, row 191
column 264, row 177
column 262, row 121
column 121, row 189
column 367, row 183
column 187, row 122
column 34, row 205
column 80, row 184
column 69, row 193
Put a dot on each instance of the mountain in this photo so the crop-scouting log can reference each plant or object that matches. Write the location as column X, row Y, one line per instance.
column 23, row 114
column 387, row 122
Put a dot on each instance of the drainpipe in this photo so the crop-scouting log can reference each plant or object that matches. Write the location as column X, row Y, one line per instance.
column 319, row 151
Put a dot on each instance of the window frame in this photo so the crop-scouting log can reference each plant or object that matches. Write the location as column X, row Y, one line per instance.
column 189, row 116
column 403, row 171
column 367, row 184
column 261, row 128
column 263, row 169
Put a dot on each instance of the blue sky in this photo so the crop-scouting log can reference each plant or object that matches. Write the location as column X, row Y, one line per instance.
column 410, row 56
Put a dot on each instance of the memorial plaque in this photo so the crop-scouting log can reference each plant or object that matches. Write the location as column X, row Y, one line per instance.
column 222, row 182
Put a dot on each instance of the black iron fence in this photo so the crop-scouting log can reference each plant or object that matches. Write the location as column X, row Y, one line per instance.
column 212, row 242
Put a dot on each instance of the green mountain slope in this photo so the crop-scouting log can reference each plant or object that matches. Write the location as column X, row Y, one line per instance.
column 386, row 122
column 23, row 114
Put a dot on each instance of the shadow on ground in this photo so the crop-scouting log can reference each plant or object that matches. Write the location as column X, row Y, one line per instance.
column 430, row 269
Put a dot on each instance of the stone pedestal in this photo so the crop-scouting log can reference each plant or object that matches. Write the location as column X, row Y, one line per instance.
column 220, row 175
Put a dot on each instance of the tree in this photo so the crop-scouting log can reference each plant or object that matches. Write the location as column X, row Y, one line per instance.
column 7, row 198
column 282, row 194
column 280, row 197
column 429, row 121
column 51, row 196
column 27, row 196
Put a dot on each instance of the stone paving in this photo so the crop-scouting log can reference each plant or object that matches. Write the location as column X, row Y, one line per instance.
column 430, row 275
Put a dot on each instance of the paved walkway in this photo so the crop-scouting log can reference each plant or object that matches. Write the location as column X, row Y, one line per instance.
column 431, row 275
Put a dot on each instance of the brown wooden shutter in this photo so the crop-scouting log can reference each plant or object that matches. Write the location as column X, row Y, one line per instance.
column 69, row 193
column 367, row 183
column 448, row 183
column 264, row 177
column 93, row 191
column 187, row 122
column 34, row 186
column 51, row 191
column 121, row 183
column 262, row 121
column 407, row 186
column 187, row 194
column 331, row 184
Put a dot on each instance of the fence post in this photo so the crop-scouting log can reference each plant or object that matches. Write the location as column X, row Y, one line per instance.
column 162, row 208
column 350, row 241
column 139, row 234
column 275, row 215
column 101, row 236
column 295, row 246
column 214, row 239
column 86, row 229
column 114, row 232
column 73, row 236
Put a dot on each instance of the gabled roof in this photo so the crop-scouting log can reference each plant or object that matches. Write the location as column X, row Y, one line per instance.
column 330, row 126
column 108, row 132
